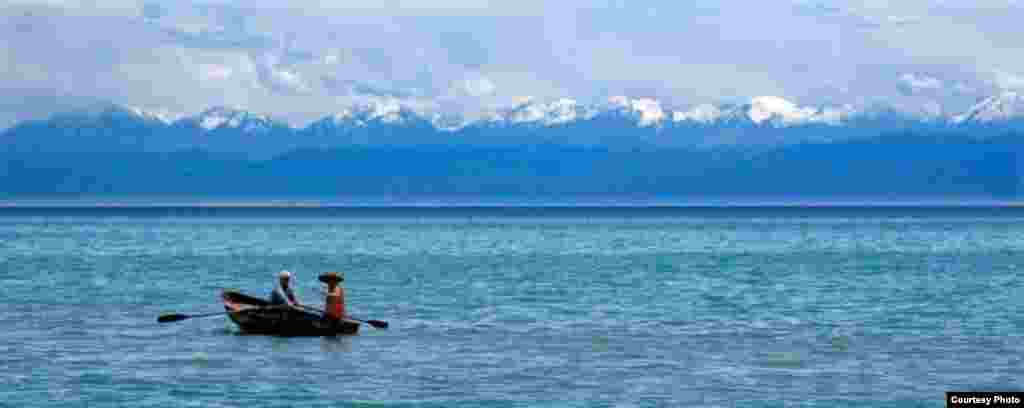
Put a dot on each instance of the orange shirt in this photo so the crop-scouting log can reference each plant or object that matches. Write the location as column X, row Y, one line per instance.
column 335, row 303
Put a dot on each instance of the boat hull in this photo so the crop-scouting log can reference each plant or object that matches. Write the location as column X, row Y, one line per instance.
column 256, row 316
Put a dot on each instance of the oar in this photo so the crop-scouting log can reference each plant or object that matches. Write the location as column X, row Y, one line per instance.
column 380, row 324
column 177, row 317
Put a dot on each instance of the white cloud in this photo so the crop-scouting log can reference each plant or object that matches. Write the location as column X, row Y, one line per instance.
column 280, row 78
column 212, row 72
column 1009, row 80
column 920, row 82
column 290, row 80
column 703, row 113
column 475, row 87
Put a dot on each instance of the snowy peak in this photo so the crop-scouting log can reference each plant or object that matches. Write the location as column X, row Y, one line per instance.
column 448, row 122
column 999, row 108
column 836, row 115
column 375, row 111
column 647, row 111
column 643, row 111
column 703, row 113
column 765, row 110
column 163, row 117
column 107, row 113
column 552, row 113
column 221, row 117
column 778, row 110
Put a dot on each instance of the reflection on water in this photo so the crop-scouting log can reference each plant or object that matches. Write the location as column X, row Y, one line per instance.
column 336, row 344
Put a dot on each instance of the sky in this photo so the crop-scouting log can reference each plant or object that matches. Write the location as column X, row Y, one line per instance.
column 308, row 59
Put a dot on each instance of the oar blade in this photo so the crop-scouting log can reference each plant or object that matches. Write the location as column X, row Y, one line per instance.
column 378, row 324
column 174, row 317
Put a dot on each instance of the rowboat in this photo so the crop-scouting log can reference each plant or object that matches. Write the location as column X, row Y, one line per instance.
column 257, row 316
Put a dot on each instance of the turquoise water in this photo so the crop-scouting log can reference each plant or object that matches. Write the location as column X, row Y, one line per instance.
column 624, row 308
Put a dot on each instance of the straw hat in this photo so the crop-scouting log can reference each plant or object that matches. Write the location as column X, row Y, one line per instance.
column 331, row 276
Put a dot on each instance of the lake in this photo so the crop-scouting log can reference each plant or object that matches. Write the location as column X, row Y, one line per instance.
column 654, row 306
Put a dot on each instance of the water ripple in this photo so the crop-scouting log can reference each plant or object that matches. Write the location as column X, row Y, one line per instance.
column 871, row 311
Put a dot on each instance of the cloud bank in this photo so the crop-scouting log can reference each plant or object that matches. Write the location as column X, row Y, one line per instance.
column 305, row 60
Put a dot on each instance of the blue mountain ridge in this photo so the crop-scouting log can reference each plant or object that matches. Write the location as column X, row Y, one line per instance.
column 614, row 151
column 625, row 123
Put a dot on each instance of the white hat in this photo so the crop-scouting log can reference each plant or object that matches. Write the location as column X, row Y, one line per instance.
column 284, row 274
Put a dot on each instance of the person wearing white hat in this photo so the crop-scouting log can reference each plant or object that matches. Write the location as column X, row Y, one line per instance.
column 283, row 293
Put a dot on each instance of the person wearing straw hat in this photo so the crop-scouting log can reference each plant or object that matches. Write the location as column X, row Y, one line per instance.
column 335, row 301
column 283, row 293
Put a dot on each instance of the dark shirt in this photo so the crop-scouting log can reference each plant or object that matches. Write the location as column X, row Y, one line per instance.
column 282, row 296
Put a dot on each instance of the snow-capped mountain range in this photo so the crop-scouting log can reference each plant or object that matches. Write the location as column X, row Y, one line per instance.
column 763, row 119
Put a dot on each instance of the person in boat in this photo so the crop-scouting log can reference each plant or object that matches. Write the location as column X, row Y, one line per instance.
column 283, row 293
column 335, row 301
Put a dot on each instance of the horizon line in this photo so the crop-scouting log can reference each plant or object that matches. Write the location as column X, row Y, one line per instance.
column 73, row 204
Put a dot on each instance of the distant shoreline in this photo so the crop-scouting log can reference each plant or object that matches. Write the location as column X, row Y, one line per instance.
column 398, row 204
column 585, row 210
